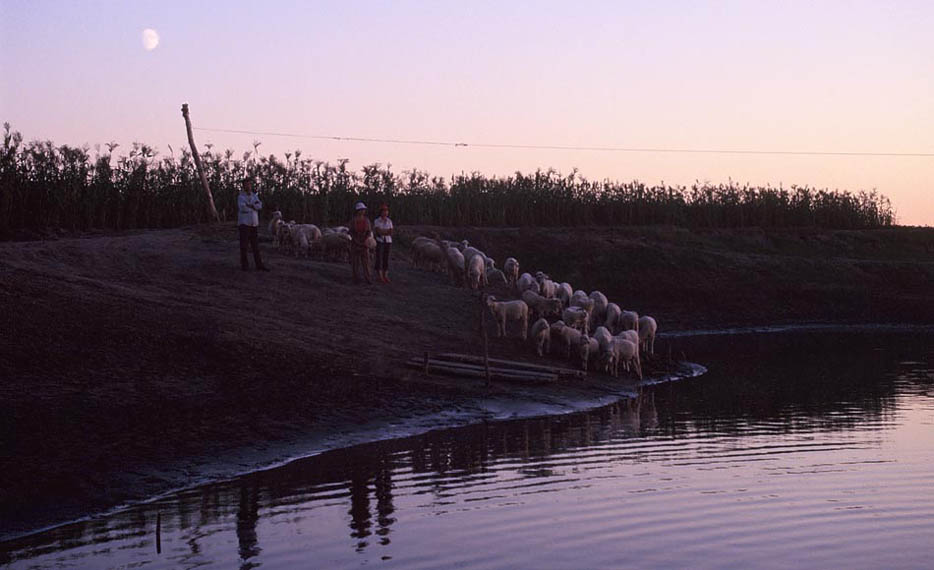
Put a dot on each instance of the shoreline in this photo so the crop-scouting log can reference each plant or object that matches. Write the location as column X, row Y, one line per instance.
column 137, row 360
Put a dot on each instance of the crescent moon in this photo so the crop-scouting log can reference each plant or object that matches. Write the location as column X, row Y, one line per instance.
column 150, row 39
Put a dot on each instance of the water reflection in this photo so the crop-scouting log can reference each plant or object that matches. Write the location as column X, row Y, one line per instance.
column 784, row 384
column 247, row 517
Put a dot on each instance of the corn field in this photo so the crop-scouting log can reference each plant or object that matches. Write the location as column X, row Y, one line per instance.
column 44, row 186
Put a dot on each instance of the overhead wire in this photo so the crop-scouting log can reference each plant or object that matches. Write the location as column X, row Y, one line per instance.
column 457, row 144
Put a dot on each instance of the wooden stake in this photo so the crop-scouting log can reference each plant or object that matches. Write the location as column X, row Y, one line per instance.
column 212, row 211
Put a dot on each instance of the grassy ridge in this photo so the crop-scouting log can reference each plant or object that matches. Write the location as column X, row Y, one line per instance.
column 47, row 186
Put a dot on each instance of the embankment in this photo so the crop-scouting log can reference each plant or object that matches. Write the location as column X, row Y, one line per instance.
column 132, row 363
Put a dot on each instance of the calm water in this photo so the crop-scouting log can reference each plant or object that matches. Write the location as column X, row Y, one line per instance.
column 811, row 450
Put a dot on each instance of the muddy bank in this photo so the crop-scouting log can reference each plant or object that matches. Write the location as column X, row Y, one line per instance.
column 140, row 362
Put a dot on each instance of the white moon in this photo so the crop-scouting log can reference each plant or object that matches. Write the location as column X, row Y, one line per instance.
column 150, row 39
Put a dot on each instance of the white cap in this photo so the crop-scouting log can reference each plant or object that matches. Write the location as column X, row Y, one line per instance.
column 359, row 206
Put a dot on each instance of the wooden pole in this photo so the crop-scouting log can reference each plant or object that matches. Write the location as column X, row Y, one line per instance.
column 212, row 211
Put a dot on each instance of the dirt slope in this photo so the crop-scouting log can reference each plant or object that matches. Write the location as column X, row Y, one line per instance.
column 122, row 354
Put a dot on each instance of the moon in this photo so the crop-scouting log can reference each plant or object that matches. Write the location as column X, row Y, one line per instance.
column 150, row 39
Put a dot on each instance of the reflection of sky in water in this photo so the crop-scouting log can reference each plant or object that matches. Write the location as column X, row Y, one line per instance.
column 764, row 462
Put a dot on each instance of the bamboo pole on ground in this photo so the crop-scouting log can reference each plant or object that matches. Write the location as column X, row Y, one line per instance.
column 456, row 357
column 212, row 210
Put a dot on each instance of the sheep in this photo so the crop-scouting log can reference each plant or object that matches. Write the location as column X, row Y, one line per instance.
column 476, row 275
column 284, row 236
column 556, row 337
column 428, row 254
column 495, row 277
column 471, row 251
column 575, row 317
column 503, row 311
column 568, row 337
column 629, row 320
column 588, row 349
column 611, row 320
column 564, row 292
column 647, row 329
column 541, row 336
column 581, row 300
column 490, row 263
column 633, row 337
column 336, row 244
column 549, row 288
column 604, row 338
column 274, row 224
column 511, row 269
column 621, row 351
column 599, row 307
column 456, row 265
column 527, row 283
column 304, row 237
column 539, row 305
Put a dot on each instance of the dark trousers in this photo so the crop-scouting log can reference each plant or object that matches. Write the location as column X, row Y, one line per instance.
column 382, row 256
column 248, row 235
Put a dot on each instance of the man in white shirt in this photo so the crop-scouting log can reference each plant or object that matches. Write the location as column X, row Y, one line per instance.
column 248, row 207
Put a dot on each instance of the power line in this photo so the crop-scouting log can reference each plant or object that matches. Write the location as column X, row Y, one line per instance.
column 565, row 147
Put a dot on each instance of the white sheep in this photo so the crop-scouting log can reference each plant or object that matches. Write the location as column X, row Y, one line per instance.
column 621, row 351
column 549, row 288
column 541, row 336
column 284, row 236
column 575, row 317
column 304, row 237
column 274, row 224
column 456, row 265
column 540, row 306
column 556, row 337
column 428, row 254
column 495, row 277
column 647, row 329
column 564, row 292
column 629, row 320
column 527, row 283
column 600, row 302
column 588, row 349
column 633, row 337
column 611, row 320
column 335, row 244
column 511, row 269
column 504, row 311
column 476, row 274
column 581, row 300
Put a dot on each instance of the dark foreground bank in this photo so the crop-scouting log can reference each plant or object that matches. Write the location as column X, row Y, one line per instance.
column 133, row 364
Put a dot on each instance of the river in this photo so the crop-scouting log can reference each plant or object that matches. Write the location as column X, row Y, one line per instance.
column 805, row 448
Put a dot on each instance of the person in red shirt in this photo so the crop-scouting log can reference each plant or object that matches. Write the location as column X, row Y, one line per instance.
column 360, row 230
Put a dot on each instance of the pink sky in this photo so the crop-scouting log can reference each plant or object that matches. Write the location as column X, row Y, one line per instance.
column 788, row 76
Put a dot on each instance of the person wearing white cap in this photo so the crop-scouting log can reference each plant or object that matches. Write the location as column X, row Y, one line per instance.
column 360, row 232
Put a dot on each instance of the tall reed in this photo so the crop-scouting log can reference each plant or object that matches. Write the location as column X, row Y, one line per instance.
column 45, row 186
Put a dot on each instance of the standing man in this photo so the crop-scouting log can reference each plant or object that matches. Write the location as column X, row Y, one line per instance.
column 248, row 206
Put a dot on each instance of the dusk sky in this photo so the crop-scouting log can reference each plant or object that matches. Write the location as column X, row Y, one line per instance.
column 844, row 77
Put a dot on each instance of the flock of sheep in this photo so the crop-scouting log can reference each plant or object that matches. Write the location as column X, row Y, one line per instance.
column 586, row 327
column 307, row 239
